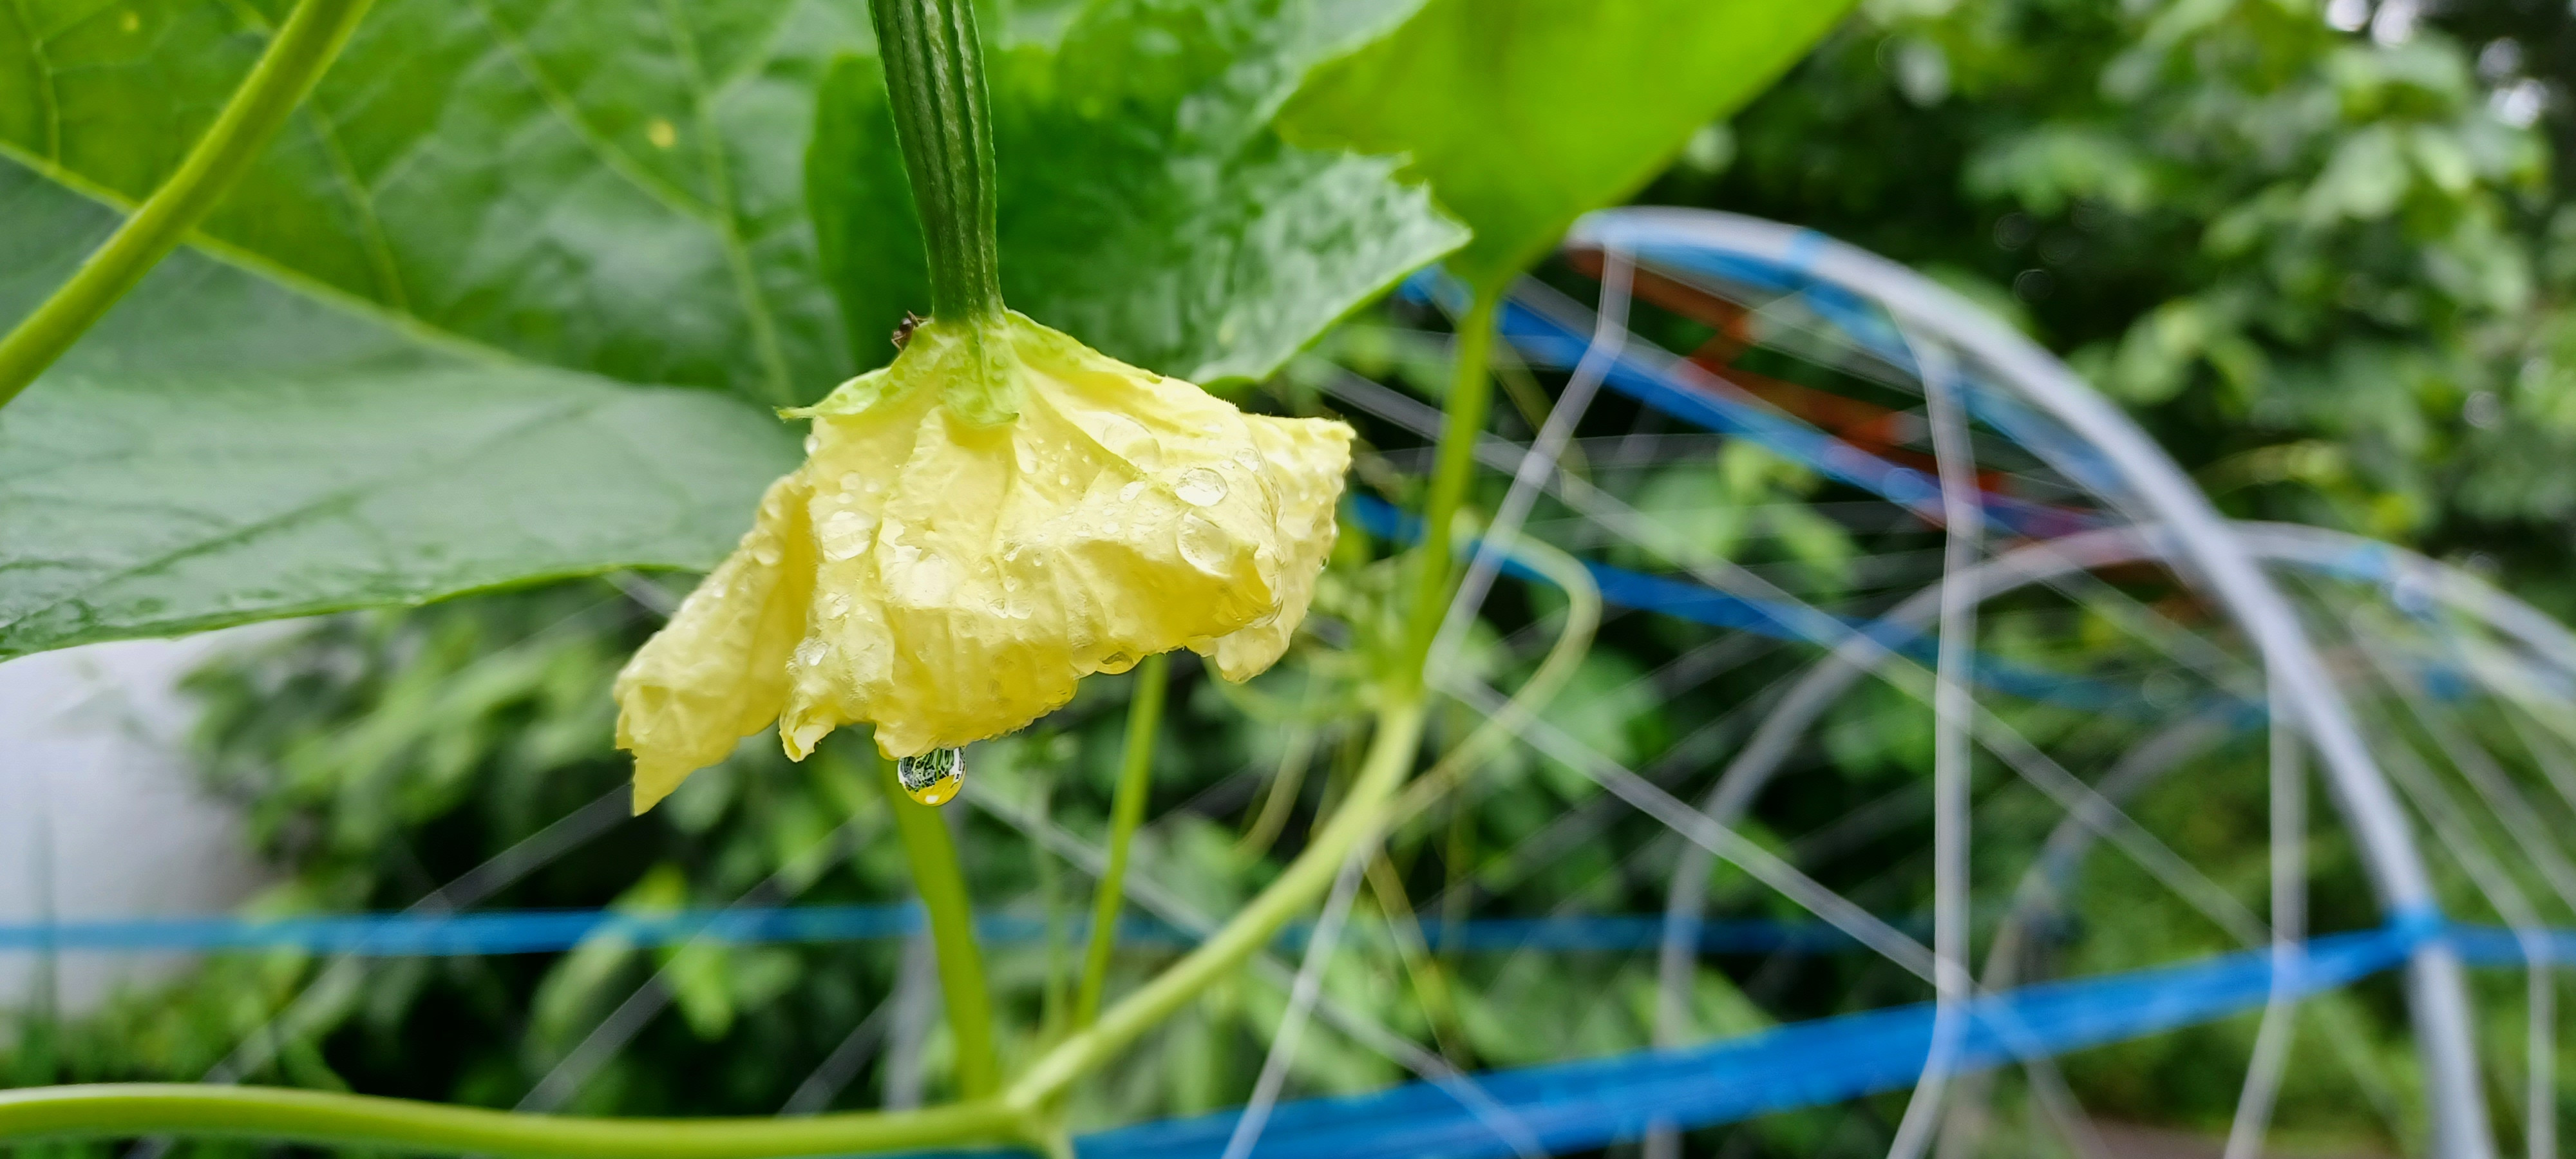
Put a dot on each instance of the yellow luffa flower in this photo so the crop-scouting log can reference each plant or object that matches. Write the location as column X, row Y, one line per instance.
column 978, row 526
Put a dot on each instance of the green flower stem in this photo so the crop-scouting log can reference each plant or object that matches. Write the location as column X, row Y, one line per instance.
column 952, row 931
column 1471, row 393
column 1126, row 811
column 934, row 70
column 1390, row 757
column 296, row 57
column 330, row 1118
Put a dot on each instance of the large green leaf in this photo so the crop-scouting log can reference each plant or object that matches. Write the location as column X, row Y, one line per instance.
column 222, row 450
column 1526, row 114
column 610, row 187
column 1147, row 205
column 412, row 353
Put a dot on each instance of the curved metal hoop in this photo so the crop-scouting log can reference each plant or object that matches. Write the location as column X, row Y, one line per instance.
column 2142, row 482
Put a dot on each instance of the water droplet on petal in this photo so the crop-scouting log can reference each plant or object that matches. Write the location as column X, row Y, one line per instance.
column 765, row 552
column 928, row 580
column 844, row 534
column 836, row 606
column 1128, row 439
column 934, row 777
column 810, row 653
column 1205, row 545
column 1128, row 493
column 812, row 442
column 1200, row 487
column 852, row 481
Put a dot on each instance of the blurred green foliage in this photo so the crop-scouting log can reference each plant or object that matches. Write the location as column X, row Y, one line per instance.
column 2327, row 267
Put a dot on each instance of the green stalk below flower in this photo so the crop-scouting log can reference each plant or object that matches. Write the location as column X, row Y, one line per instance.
column 1360, row 817
column 952, row 932
column 1126, row 812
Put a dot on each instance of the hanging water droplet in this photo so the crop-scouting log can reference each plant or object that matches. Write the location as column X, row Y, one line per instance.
column 1200, row 487
column 934, row 777
column 812, row 442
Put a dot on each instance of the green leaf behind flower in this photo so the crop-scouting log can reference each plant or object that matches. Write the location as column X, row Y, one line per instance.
column 430, row 343
column 610, row 188
column 222, row 450
column 1526, row 114
column 1147, row 205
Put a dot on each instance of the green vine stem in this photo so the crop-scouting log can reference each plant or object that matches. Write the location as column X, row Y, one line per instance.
column 934, row 71
column 1471, row 392
column 1390, row 757
column 1126, row 811
column 952, row 931
column 1563, row 659
column 331, row 1118
column 296, row 58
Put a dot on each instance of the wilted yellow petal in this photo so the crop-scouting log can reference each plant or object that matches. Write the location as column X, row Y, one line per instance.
column 974, row 546
column 717, row 672
column 1308, row 460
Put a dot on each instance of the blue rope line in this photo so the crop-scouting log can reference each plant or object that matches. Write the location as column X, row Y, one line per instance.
column 1592, row 1103
column 1794, row 622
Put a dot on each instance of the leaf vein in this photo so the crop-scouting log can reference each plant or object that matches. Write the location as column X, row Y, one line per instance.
column 43, row 68
column 609, row 153
column 362, row 202
column 262, row 266
column 746, row 278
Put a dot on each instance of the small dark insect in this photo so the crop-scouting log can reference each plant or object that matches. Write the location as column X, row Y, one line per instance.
column 903, row 333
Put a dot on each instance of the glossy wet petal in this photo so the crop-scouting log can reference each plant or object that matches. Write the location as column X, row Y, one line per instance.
column 718, row 671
